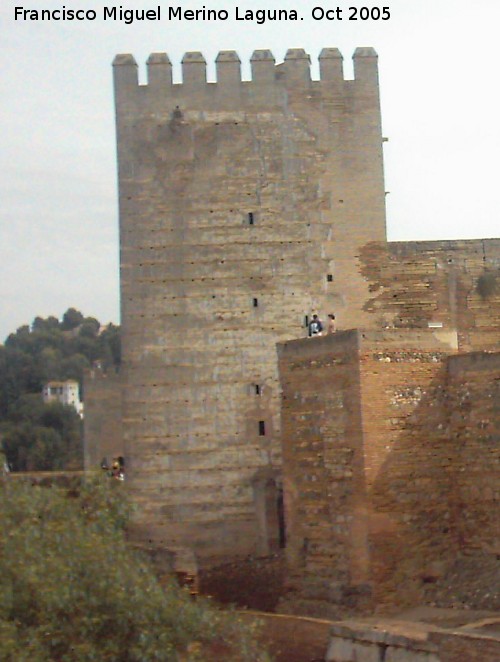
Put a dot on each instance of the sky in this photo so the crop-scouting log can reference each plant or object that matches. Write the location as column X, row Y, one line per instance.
column 439, row 66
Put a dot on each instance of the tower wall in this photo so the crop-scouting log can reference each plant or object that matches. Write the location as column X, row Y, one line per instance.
column 243, row 206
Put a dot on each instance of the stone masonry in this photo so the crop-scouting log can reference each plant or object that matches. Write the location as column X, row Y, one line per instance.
column 391, row 464
column 246, row 206
column 243, row 205
column 102, row 424
column 473, row 427
column 448, row 285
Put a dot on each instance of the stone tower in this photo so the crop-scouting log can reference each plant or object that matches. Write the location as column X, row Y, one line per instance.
column 243, row 207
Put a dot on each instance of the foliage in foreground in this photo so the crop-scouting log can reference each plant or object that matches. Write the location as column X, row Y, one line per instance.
column 71, row 590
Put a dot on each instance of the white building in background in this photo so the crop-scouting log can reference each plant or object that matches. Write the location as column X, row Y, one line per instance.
column 68, row 393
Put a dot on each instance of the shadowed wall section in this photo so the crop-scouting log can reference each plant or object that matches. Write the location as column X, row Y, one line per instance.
column 391, row 465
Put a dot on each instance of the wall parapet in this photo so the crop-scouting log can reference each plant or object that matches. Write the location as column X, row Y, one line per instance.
column 294, row 71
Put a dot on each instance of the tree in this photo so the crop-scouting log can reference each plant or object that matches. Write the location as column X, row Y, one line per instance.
column 47, row 452
column 71, row 319
column 111, row 341
column 41, row 324
column 73, row 366
column 71, row 588
column 17, row 376
column 42, row 437
column 89, row 327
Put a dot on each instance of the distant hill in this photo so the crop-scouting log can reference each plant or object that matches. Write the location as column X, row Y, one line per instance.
column 36, row 436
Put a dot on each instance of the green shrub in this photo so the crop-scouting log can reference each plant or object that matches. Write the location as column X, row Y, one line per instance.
column 71, row 589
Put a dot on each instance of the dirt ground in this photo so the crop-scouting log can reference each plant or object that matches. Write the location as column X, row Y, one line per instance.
column 255, row 587
column 252, row 583
column 292, row 638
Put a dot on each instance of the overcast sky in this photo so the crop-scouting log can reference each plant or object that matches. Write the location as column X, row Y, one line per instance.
column 439, row 67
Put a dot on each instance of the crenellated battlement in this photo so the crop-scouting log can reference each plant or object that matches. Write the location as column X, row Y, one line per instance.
column 293, row 73
column 243, row 207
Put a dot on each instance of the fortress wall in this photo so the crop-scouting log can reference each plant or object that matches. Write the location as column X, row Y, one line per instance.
column 455, row 284
column 408, row 462
column 102, row 423
column 322, row 465
column 367, row 489
column 237, row 200
column 244, row 207
column 390, row 465
column 474, row 427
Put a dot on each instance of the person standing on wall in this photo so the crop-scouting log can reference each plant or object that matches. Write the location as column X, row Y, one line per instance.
column 331, row 324
column 315, row 326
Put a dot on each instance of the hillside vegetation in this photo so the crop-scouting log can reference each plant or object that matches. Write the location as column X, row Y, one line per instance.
column 38, row 436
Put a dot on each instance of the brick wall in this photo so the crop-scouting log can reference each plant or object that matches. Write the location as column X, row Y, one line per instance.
column 322, row 468
column 399, row 641
column 452, row 283
column 405, row 461
column 390, row 463
column 474, row 430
